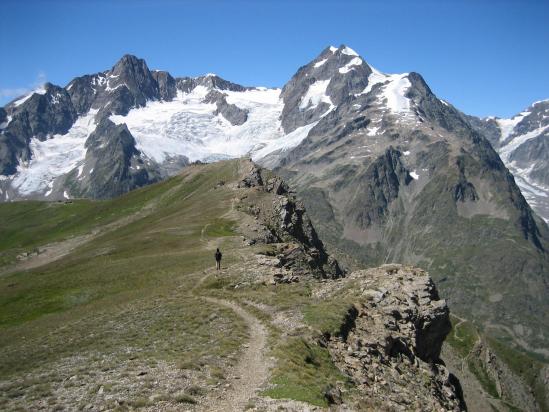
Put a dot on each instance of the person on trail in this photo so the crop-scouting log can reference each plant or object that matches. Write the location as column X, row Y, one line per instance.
column 218, row 256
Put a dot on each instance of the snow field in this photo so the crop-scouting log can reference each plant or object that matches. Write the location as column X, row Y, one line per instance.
column 54, row 157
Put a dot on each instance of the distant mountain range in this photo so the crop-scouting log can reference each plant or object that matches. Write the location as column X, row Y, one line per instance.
column 388, row 171
column 523, row 144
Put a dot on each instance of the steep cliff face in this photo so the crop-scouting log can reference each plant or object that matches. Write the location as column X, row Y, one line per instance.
column 47, row 112
column 377, row 188
column 166, row 84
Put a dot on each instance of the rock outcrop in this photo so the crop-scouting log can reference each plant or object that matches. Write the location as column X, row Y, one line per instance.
column 210, row 81
column 390, row 341
column 234, row 114
column 281, row 218
column 112, row 164
column 166, row 84
column 390, row 338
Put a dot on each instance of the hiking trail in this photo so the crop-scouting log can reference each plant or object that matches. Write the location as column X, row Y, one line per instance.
column 252, row 370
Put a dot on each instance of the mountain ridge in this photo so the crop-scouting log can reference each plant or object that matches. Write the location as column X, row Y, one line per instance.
column 163, row 329
column 426, row 147
column 387, row 171
column 337, row 125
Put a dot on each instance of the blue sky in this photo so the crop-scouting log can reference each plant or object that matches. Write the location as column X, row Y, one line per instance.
column 485, row 57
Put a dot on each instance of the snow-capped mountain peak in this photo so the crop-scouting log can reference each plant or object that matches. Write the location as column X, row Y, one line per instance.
column 523, row 144
column 508, row 125
column 171, row 121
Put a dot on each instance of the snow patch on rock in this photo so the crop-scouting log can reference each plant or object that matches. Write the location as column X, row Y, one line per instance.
column 357, row 61
column 111, row 89
column 374, row 78
column 284, row 143
column 39, row 90
column 349, row 52
column 508, row 125
column 320, row 63
column 372, row 131
column 315, row 95
column 5, row 124
column 395, row 93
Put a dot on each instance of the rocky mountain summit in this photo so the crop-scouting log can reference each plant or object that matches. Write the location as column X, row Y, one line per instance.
column 392, row 173
column 322, row 85
column 47, row 148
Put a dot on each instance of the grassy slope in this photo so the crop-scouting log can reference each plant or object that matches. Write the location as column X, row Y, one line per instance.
column 27, row 225
column 123, row 313
column 124, row 295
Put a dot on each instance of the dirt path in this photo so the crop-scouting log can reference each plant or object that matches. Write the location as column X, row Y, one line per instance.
column 49, row 253
column 251, row 372
column 54, row 251
column 457, row 325
column 203, row 231
column 464, row 366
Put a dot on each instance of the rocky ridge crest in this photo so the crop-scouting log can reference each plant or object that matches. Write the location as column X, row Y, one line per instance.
column 280, row 219
column 390, row 338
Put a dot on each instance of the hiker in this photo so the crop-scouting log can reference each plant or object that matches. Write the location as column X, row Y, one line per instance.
column 218, row 256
